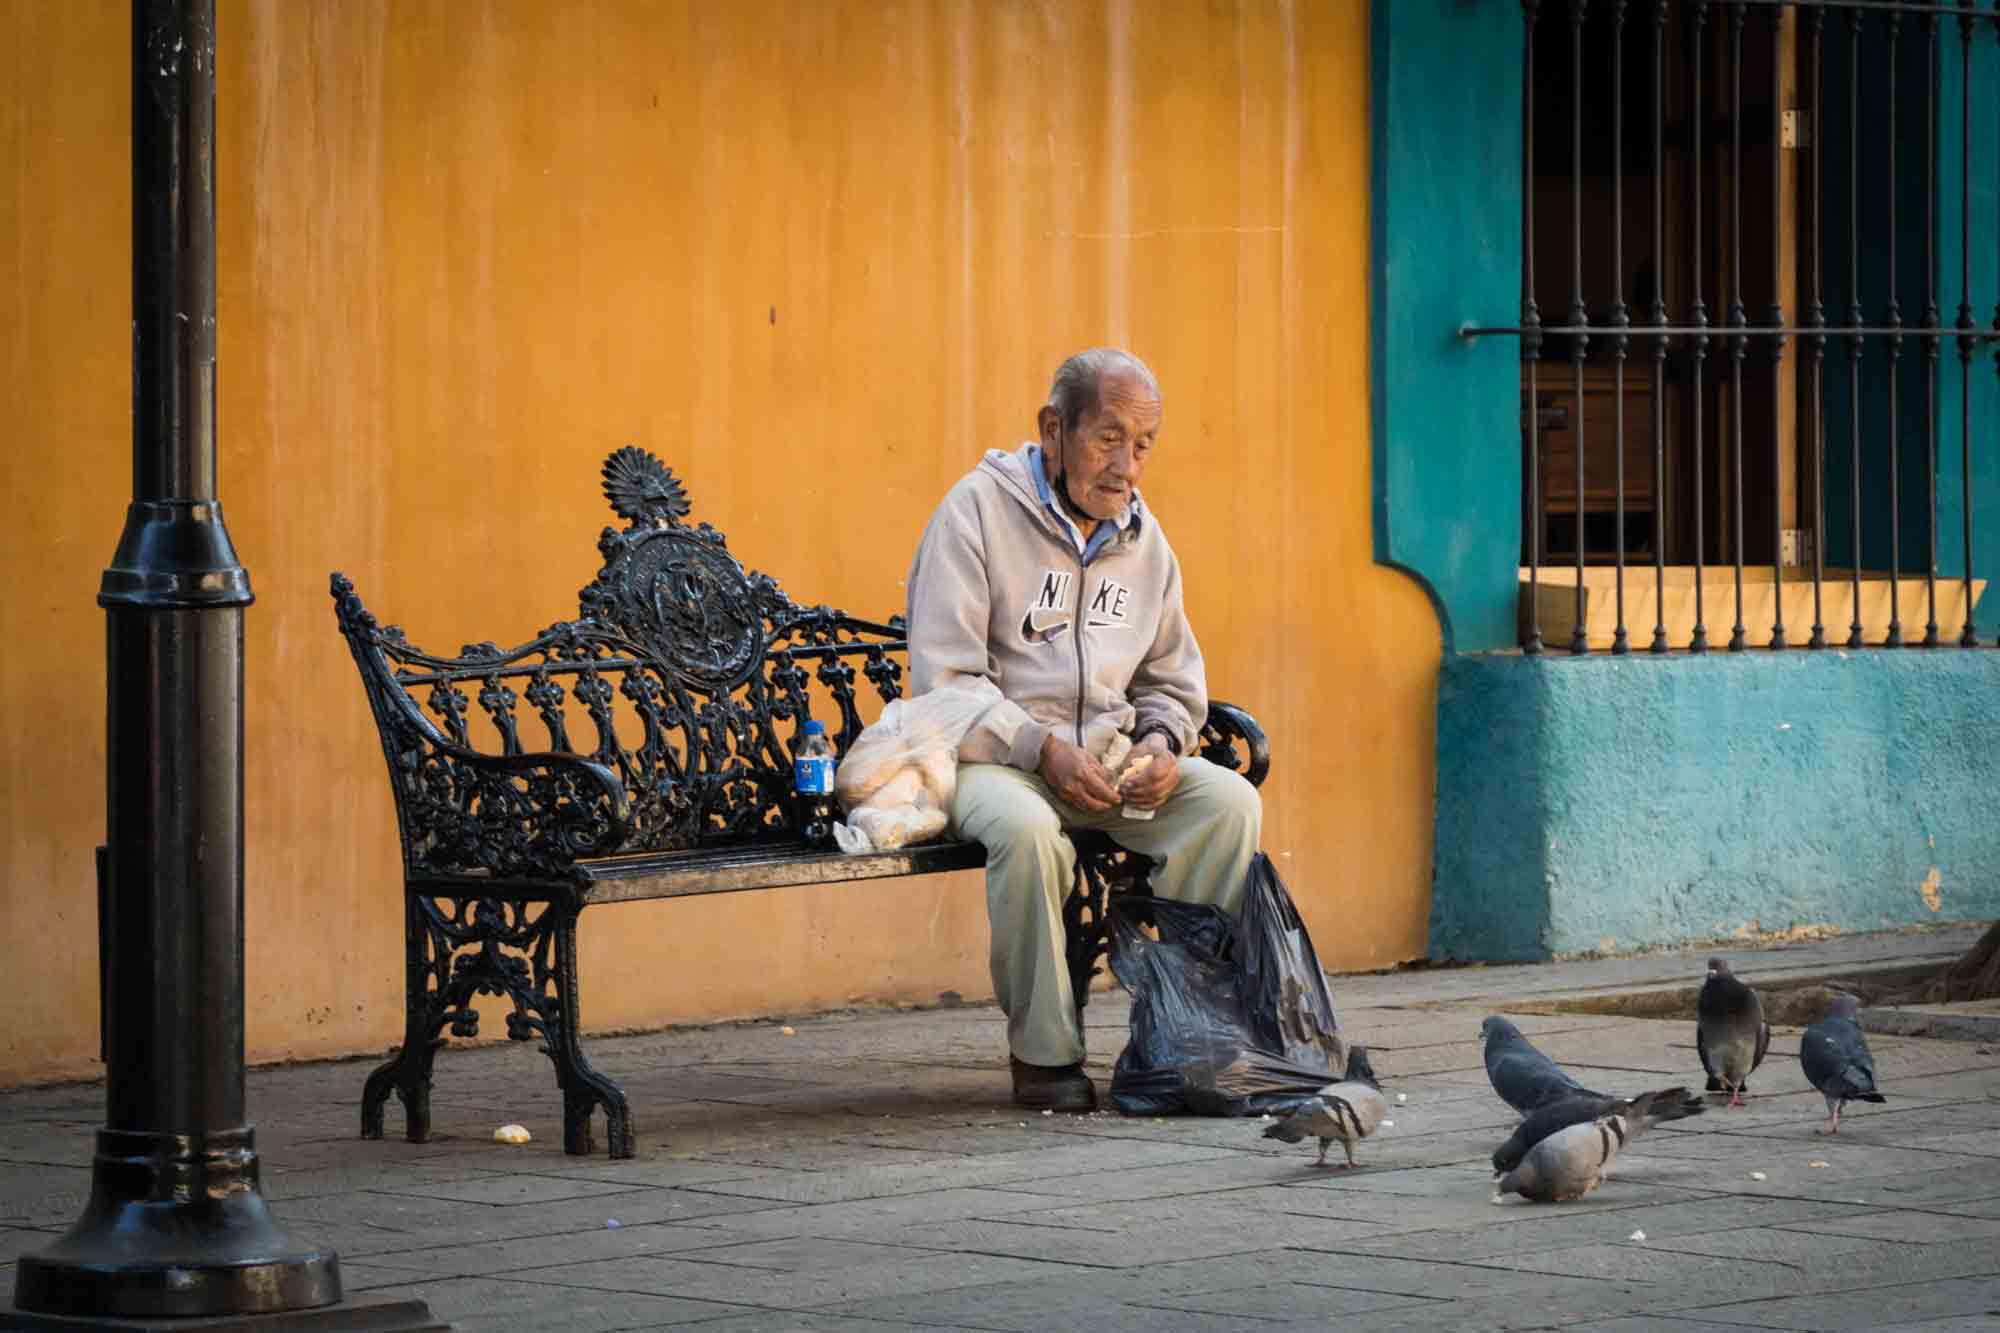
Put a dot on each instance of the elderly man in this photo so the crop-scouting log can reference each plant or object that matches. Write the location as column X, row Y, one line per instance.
column 1044, row 573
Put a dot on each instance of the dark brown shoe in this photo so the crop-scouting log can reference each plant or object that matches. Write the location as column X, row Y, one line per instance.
column 1041, row 1088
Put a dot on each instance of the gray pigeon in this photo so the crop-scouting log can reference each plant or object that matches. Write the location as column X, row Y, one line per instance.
column 1348, row 1110
column 1835, row 1057
column 1640, row 1113
column 1523, row 1076
column 1730, row 1032
column 1569, row 1163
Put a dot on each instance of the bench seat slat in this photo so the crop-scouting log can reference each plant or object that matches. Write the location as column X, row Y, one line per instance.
column 643, row 875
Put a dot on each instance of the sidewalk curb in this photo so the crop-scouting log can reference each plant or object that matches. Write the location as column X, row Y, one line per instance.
column 1892, row 1022
column 1794, row 999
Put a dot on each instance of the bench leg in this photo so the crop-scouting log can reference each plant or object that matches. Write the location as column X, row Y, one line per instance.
column 1084, row 927
column 459, row 948
column 408, row 1071
column 410, row 1079
column 1104, row 871
column 583, row 1088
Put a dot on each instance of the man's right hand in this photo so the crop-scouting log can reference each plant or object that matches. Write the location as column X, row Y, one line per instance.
column 1075, row 776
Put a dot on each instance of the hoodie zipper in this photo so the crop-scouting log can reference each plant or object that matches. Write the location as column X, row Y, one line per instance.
column 1076, row 623
column 1077, row 630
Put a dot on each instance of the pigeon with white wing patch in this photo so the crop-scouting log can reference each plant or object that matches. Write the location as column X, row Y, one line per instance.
column 1641, row 1113
column 1349, row 1110
column 1569, row 1163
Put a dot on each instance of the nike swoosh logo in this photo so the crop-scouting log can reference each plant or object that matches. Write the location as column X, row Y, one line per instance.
column 1037, row 630
column 1096, row 622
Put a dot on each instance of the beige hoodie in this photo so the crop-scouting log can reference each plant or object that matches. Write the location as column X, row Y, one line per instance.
column 995, row 594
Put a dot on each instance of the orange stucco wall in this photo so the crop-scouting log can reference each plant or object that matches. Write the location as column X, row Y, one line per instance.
column 818, row 256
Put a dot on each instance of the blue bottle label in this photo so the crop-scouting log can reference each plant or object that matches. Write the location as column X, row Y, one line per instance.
column 812, row 775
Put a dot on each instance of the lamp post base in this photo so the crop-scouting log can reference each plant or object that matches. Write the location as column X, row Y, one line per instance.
column 175, row 1228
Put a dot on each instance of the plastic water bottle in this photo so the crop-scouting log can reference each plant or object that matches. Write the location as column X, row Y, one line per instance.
column 812, row 784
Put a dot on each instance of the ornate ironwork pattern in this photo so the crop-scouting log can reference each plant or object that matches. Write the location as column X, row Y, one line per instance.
column 672, row 707
column 1104, row 871
column 459, row 811
column 712, row 669
column 520, row 951
column 1232, row 739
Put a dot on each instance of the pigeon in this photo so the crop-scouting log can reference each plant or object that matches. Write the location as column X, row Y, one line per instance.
column 1348, row 1110
column 1835, row 1057
column 1569, row 1163
column 1640, row 1113
column 1730, row 1031
column 1523, row 1076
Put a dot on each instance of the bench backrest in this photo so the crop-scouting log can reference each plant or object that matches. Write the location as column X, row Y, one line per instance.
column 686, row 683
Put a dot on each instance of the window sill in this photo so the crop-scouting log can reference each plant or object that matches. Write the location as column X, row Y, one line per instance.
column 1555, row 596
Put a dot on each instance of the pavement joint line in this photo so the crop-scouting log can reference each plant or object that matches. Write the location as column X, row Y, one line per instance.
column 619, row 1191
column 917, row 1320
column 1156, row 1303
column 1051, row 1226
column 1442, row 1263
column 1724, row 1130
column 928, row 1254
column 923, row 1251
column 1945, row 1157
column 1873, row 1209
column 735, row 1306
column 913, row 1148
column 1835, row 1140
column 1794, row 1228
column 558, row 1175
column 1827, row 1291
column 388, row 1260
column 1344, row 1286
column 1599, row 1026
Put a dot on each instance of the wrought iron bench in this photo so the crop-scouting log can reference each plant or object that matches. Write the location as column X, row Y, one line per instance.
column 691, row 681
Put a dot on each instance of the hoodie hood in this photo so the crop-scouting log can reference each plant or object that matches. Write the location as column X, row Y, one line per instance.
column 1016, row 471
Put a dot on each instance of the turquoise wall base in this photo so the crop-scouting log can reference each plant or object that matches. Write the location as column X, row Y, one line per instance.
column 1606, row 804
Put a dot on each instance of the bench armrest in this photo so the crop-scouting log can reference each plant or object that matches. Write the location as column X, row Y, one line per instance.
column 1231, row 737
column 510, row 816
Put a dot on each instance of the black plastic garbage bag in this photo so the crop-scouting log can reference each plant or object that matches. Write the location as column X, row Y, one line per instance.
column 1230, row 1016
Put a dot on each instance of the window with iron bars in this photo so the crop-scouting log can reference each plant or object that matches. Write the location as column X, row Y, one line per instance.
column 1758, row 240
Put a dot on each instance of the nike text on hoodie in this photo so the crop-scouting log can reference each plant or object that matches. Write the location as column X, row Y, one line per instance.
column 999, row 591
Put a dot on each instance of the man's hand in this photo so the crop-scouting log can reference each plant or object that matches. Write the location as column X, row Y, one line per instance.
column 1076, row 777
column 1148, row 788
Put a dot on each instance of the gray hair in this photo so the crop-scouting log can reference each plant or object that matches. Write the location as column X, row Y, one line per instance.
column 1075, row 389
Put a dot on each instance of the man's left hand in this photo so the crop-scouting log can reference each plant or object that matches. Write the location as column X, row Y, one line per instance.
column 1148, row 788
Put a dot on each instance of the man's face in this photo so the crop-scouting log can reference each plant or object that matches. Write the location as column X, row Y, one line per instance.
column 1108, row 450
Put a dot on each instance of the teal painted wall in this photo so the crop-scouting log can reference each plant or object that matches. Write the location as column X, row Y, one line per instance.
column 1446, row 152
column 1626, row 803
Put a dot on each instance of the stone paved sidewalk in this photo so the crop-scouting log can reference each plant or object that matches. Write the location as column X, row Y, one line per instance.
column 865, row 1174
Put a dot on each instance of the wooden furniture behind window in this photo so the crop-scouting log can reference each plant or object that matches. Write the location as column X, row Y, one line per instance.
column 1595, row 511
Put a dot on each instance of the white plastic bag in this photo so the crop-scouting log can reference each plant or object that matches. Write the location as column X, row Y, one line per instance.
column 897, row 779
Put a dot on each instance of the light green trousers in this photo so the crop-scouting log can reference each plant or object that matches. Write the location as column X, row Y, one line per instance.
column 1203, row 837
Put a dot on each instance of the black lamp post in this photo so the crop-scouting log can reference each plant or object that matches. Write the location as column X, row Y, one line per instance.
column 175, row 1226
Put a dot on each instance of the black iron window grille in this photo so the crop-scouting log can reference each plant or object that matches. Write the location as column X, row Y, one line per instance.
column 1761, row 204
